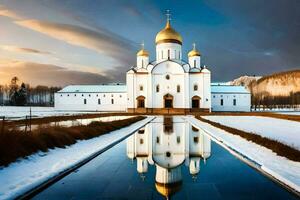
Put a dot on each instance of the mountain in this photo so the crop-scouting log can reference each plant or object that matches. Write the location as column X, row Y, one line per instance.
column 277, row 84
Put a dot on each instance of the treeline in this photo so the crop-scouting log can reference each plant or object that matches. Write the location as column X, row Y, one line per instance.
column 23, row 94
column 267, row 101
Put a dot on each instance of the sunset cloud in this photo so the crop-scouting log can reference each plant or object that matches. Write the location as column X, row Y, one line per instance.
column 22, row 49
column 101, row 41
column 46, row 74
column 9, row 13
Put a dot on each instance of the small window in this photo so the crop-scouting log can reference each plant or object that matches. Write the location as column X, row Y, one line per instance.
column 195, row 87
column 68, row 95
column 142, row 131
column 168, row 154
column 194, row 63
column 162, row 54
column 178, row 139
column 141, row 88
column 221, row 103
column 82, row 95
column 141, row 141
column 84, row 101
column 196, row 139
column 168, row 77
column 99, row 101
column 178, row 88
column 104, row 95
column 61, row 95
column 89, row 95
column 157, row 140
column 112, row 95
column 168, row 54
column 195, row 129
column 157, row 88
column 112, row 101
column 234, row 102
column 74, row 95
column 120, row 96
column 214, row 96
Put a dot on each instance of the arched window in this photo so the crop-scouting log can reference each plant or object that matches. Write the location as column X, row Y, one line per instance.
column 169, row 54
column 157, row 88
column 178, row 88
column 99, row 101
column 194, row 63
column 195, row 87
column 167, row 76
column 84, row 101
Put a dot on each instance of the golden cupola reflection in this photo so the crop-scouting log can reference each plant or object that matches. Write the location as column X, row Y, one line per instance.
column 168, row 35
column 194, row 52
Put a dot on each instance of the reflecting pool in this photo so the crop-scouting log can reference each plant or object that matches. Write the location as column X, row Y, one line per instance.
column 166, row 159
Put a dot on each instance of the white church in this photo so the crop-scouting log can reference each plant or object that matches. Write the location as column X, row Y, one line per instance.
column 166, row 85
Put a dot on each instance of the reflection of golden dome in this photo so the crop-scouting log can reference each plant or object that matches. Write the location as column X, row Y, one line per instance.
column 168, row 35
column 168, row 189
column 142, row 52
column 194, row 52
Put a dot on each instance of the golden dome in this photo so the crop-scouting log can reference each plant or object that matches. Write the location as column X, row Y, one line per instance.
column 167, row 189
column 194, row 52
column 143, row 52
column 168, row 34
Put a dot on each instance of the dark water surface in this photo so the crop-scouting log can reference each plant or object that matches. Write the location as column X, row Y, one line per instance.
column 168, row 158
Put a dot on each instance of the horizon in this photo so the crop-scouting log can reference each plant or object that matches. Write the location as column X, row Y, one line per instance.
column 85, row 42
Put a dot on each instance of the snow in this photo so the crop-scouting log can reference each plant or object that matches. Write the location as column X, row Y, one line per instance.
column 281, row 168
column 26, row 174
column 17, row 112
column 289, row 113
column 284, row 131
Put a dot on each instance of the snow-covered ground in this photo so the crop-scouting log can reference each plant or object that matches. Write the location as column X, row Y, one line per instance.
column 18, row 112
column 284, row 131
column 289, row 113
column 26, row 174
column 281, row 168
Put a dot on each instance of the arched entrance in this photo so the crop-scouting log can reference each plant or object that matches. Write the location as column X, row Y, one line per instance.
column 140, row 101
column 168, row 101
column 196, row 102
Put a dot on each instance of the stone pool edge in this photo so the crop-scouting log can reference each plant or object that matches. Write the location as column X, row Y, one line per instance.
column 274, row 176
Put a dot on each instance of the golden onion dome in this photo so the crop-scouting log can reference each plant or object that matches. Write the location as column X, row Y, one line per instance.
column 142, row 52
column 168, row 35
column 194, row 52
column 167, row 190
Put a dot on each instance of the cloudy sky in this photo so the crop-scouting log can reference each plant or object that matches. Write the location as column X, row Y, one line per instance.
column 55, row 42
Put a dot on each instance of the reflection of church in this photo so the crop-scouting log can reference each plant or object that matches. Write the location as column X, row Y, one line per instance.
column 168, row 146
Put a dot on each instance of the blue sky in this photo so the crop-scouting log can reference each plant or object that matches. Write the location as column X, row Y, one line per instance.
column 94, row 41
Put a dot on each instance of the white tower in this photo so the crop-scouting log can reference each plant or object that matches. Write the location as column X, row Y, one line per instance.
column 142, row 58
column 194, row 57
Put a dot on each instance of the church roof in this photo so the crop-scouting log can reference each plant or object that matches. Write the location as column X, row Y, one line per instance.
column 228, row 89
column 110, row 88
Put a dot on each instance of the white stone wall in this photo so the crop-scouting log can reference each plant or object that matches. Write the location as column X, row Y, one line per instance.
column 243, row 102
column 168, row 86
column 75, row 101
column 173, row 48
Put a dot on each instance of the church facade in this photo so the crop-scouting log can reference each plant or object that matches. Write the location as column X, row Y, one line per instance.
column 168, row 83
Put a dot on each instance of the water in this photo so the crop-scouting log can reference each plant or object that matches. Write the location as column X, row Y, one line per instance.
column 167, row 159
column 76, row 122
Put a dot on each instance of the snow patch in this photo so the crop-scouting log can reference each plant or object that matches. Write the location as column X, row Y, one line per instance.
column 284, row 131
column 26, row 174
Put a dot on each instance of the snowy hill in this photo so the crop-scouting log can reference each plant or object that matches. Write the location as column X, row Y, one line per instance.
column 278, row 84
